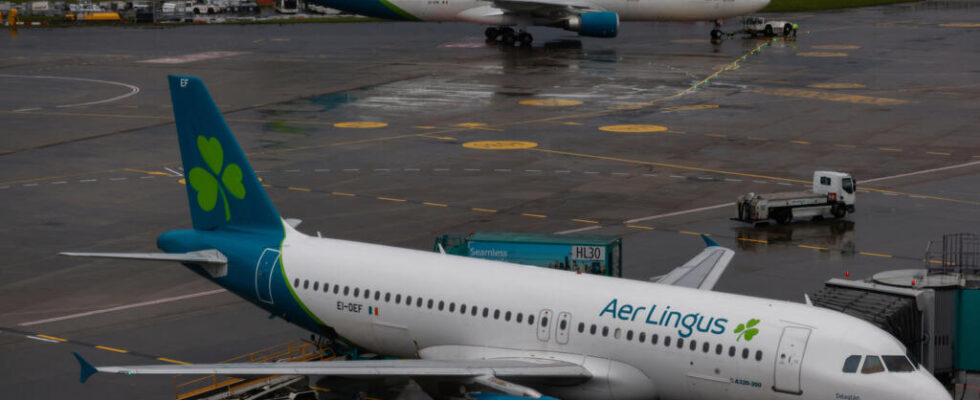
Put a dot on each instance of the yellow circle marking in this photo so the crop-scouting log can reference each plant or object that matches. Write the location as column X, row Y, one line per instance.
column 549, row 102
column 820, row 54
column 837, row 47
column 960, row 25
column 500, row 145
column 837, row 85
column 633, row 128
column 471, row 125
column 691, row 108
column 361, row 124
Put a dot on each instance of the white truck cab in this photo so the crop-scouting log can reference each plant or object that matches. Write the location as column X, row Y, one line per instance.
column 833, row 193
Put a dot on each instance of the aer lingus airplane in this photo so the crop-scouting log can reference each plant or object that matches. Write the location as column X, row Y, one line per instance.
column 494, row 329
column 596, row 18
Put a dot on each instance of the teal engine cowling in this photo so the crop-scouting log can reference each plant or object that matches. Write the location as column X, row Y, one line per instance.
column 603, row 24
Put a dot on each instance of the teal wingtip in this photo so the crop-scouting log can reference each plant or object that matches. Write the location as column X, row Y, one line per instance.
column 87, row 368
column 709, row 242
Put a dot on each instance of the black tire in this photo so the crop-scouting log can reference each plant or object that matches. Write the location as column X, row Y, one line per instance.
column 506, row 29
column 525, row 38
column 784, row 216
column 769, row 30
column 838, row 210
column 210, row 11
column 787, row 29
column 508, row 38
column 197, row 11
column 716, row 34
column 492, row 33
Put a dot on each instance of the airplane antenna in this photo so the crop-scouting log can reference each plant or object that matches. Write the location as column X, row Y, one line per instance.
column 441, row 250
column 807, row 298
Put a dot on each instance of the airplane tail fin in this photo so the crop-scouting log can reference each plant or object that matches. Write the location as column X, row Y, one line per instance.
column 222, row 189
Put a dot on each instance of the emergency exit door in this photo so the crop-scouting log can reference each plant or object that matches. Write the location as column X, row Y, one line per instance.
column 789, row 359
column 263, row 274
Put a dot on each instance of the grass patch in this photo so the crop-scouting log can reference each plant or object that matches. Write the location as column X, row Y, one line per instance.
column 815, row 5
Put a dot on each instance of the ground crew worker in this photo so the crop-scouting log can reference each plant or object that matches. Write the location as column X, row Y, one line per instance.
column 795, row 28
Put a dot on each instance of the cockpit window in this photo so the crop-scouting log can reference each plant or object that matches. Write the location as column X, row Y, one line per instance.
column 848, row 185
column 851, row 364
column 872, row 365
column 898, row 364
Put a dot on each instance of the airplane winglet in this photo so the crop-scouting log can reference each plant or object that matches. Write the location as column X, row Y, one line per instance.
column 87, row 368
column 709, row 242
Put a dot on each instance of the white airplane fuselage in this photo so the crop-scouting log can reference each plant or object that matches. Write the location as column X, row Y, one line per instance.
column 796, row 352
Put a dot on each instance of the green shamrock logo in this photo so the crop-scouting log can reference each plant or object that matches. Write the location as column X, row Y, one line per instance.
column 206, row 183
column 747, row 330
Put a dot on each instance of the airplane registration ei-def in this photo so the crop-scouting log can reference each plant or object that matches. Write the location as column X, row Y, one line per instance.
column 499, row 330
column 595, row 18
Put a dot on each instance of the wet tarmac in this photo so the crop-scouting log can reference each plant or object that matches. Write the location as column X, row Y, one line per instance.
column 371, row 132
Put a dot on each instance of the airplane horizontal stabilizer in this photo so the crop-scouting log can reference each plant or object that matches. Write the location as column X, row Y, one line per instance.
column 209, row 257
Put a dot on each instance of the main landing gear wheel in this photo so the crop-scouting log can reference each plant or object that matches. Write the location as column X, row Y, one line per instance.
column 716, row 33
column 525, row 38
column 492, row 33
column 507, row 37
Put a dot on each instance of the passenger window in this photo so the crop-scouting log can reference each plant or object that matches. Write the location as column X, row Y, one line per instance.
column 316, row 285
column 346, row 290
column 666, row 341
column 592, row 329
column 581, row 326
column 306, row 284
column 680, row 343
column 377, row 295
column 643, row 337
column 530, row 319
column 474, row 310
column 629, row 335
column 507, row 317
column 898, row 364
column 758, row 355
column 398, row 299
column 431, row 302
column 486, row 312
column 520, row 318
column 872, row 365
column 442, row 304
column 296, row 283
column 851, row 364
column 418, row 302
column 694, row 345
column 367, row 293
column 718, row 349
column 705, row 347
column 496, row 315
column 408, row 300
column 654, row 338
column 731, row 351
column 745, row 354
column 357, row 291
column 605, row 331
column 336, row 289
column 452, row 307
column 326, row 287
column 462, row 308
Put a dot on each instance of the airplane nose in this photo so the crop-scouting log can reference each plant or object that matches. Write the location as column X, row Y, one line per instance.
column 930, row 388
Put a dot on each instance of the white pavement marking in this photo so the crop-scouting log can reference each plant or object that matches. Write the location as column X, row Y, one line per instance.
column 588, row 228
column 187, row 58
column 321, row 170
column 87, row 180
column 885, row 178
column 676, row 213
column 761, row 182
column 28, row 109
column 173, row 172
column 41, row 339
column 502, row 170
column 440, row 169
column 591, row 172
column 471, row 169
column 123, row 307
column 677, row 177
column 117, row 179
column 532, row 170
column 732, row 180
column 651, row 175
column 59, row 183
column 292, row 170
column 564, row 171
column 133, row 90
column 30, row 184
column 351, row 169
column 412, row 169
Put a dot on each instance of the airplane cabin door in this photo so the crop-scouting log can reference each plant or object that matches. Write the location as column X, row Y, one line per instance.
column 544, row 325
column 263, row 274
column 564, row 325
column 789, row 359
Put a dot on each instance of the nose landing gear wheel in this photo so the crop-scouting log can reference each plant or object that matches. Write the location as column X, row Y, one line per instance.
column 716, row 34
column 507, row 37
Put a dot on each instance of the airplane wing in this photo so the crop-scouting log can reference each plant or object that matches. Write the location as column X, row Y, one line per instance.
column 488, row 372
column 702, row 271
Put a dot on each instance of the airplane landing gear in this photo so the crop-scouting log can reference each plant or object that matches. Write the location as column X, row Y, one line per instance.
column 525, row 38
column 507, row 36
column 492, row 33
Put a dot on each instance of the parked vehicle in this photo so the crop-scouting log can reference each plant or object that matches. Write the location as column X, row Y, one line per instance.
column 760, row 26
column 833, row 194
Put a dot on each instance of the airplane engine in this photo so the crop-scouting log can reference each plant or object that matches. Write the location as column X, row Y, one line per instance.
column 603, row 24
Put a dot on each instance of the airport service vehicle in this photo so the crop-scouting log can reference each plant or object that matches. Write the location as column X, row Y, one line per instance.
column 287, row 6
column 94, row 16
column 591, row 254
column 833, row 194
column 761, row 26
column 498, row 329
column 593, row 18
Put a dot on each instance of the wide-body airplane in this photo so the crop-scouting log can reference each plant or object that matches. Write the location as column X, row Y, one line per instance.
column 490, row 328
column 596, row 18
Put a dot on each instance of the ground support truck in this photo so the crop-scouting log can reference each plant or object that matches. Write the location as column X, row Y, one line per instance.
column 833, row 194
